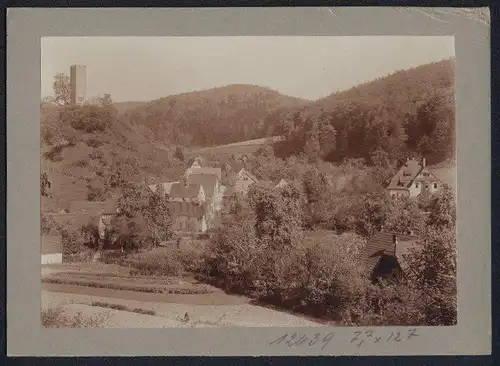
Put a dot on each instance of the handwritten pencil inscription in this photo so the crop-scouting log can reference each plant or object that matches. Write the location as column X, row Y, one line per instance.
column 359, row 338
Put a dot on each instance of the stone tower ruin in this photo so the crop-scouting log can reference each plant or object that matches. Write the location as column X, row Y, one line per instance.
column 78, row 82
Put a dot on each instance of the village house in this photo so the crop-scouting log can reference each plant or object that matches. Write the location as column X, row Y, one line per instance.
column 212, row 187
column 190, row 192
column 188, row 217
column 384, row 254
column 51, row 249
column 196, row 162
column 282, row 183
column 413, row 179
column 243, row 179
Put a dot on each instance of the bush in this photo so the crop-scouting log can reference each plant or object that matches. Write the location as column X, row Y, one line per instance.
column 81, row 163
column 94, row 142
column 97, row 192
column 168, row 262
column 73, row 241
column 152, row 263
column 89, row 118
column 55, row 154
column 56, row 318
column 97, row 155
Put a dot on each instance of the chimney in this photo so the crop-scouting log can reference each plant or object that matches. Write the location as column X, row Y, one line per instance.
column 423, row 162
column 395, row 239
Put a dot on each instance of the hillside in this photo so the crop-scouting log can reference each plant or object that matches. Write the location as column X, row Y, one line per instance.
column 408, row 112
column 80, row 161
column 232, row 113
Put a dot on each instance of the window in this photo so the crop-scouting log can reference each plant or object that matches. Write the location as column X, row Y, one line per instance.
column 435, row 185
column 426, row 186
column 416, row 185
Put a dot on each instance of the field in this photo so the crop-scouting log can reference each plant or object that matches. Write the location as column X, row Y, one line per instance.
column 243, row 147
column 123, row 304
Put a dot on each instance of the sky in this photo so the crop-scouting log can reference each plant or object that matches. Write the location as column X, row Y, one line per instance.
column 147, row 68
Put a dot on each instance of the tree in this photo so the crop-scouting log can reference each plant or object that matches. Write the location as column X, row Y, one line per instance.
column 404, row 216
column 62, row 89
column 312, row 148
column 443, row 210
column 158, row 215
column 372, row 213
column 317, row 193
column 278, row 214
column 90, row 118
column 178, row 154
column 122, row 171
column 44, row 185
column 434, row 275
column 106, row 100
column 144, row 217
column 380, row 158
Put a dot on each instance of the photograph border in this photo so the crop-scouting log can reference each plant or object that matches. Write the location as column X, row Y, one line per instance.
column 25, row 27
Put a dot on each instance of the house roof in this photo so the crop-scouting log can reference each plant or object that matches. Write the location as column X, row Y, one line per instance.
column 167, row 186
column 206, row 170
column 382, row 244
column 250, row 175
column 186, row 209
column 207, row 181
column 51, row 244
column 195, row 159
column 408, row 173
column 281, row 183
column 179, row 190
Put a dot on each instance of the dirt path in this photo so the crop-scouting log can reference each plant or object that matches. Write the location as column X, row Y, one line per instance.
column 172, row 314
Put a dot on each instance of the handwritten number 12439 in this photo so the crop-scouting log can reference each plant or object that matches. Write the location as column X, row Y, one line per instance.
column 296, row 340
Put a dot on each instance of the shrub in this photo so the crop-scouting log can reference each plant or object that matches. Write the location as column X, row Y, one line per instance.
column 123, row 307
column 73, row 241
column 97, row 192
column 89, row 118
column 56, row 318
column 108, row 305
column 94, row 142
column 55, row 154
column 156, row 264
column 81, row 163
column 97, row 155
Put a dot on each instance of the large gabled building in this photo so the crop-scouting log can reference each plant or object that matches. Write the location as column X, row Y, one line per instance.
column 413, row 179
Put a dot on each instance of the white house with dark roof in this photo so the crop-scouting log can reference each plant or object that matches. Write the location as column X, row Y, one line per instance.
column 244, row 179
column 413, row 179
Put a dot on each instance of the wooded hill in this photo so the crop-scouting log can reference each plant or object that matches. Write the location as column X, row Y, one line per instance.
column 210, row 117
column 408, row 112
column 411, row 112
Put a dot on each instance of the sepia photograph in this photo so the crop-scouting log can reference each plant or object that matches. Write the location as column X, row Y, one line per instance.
column 248, row 181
